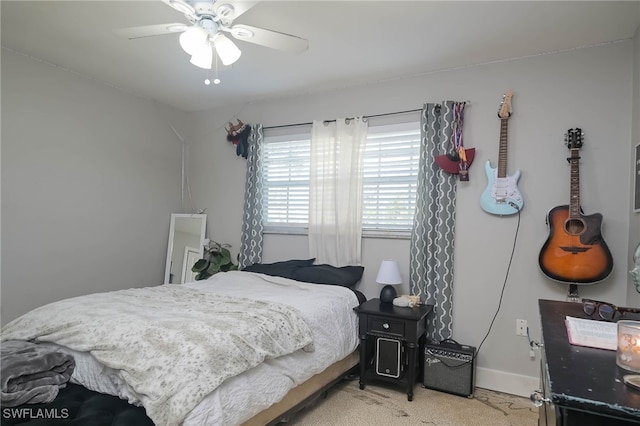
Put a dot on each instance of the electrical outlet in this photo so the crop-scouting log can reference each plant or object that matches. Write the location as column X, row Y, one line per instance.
column 521, row 327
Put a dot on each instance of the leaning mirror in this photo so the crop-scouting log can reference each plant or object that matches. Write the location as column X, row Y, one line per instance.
column 186, row 241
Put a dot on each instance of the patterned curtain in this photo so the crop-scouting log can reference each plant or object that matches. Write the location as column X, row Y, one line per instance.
column 432, row 239
column 252, row 228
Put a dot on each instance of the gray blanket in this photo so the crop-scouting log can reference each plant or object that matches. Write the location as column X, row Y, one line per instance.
column 32, row 374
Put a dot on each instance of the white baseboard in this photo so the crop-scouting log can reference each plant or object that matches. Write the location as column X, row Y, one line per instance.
column 501, row 381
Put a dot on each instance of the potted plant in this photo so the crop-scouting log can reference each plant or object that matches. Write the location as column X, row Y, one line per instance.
column 217, row 258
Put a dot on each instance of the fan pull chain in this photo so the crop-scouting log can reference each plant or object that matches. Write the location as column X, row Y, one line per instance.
column 216, row 80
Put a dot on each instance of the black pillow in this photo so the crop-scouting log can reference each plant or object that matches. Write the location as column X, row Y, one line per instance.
column 285, row 268
column 346, row 276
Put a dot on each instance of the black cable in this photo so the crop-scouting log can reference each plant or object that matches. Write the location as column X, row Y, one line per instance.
column 504, row 285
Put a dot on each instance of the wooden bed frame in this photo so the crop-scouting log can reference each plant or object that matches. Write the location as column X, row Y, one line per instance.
column 305, row 393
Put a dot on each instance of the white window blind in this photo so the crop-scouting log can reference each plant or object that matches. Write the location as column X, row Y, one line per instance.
column 390, row 177
column 286, row 182
column 389, row 183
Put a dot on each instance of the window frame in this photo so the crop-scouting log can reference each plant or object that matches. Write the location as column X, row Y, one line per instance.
column 303, row 132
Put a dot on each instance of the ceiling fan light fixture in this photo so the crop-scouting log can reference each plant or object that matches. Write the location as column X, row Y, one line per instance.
column 203, row 58
column 226, row 49
column 193, row 39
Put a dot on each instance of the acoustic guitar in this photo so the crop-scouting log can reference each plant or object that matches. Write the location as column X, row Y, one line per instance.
column 575, row 251
column 502, row 196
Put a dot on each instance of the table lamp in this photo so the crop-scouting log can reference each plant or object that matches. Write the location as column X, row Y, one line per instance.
column 388, row 275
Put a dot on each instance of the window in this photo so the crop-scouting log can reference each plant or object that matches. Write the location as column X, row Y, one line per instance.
column 390, row 177
column 389, row 182
column 285, row 174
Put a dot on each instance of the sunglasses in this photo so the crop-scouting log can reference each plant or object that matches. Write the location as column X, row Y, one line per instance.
column 607, row 311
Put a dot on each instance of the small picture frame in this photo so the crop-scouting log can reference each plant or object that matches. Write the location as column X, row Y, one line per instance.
column 636, row 179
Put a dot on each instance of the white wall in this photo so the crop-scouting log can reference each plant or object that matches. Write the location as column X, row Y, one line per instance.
column 589, row 88
column 90, row 177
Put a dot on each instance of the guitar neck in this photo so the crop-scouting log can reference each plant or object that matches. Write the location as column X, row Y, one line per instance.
column 574, row 192
column 502, row 153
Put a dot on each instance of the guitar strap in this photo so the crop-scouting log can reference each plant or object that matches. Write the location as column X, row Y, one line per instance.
column 458, row 125
column 458, row 161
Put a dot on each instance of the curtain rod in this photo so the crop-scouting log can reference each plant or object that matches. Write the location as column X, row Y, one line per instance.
column 350, row 118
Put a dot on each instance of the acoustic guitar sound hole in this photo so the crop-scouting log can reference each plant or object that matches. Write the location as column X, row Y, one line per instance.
column 574, row 226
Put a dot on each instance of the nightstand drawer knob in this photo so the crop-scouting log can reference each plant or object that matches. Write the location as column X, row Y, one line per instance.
column 385, row 326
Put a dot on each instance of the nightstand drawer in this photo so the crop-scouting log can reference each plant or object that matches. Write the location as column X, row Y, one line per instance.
column 386, row 326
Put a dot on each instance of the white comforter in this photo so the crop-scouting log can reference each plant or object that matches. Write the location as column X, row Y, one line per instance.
column 327, row 310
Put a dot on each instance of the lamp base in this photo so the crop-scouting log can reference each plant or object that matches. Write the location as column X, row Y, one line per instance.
column 387, row 294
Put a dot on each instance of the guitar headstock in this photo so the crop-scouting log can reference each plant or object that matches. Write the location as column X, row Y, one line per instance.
column 505, row 106
column 573, row 138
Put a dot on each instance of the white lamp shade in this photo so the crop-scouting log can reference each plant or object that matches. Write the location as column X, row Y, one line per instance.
column 194, row 39
column 226, row 49
column 203, row 58
column 389, row 273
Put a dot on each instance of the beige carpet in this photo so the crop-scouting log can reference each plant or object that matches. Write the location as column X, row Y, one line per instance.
column 347, row 405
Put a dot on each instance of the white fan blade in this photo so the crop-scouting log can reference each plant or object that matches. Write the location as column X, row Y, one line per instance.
column 230, row 10
column 182, row 6
column 150, row 30
column 269, row 38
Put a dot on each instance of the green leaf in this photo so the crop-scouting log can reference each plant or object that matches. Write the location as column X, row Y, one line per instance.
column 226, row 256
column 213, row 268
column 200, row 265
column 202, row 276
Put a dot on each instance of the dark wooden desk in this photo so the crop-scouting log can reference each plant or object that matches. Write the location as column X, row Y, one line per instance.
column 584, row 385
column 406, row 326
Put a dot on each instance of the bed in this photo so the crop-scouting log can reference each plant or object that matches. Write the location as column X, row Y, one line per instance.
column 188, row 384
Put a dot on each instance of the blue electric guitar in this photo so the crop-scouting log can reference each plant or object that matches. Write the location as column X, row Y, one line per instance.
column 502, row 196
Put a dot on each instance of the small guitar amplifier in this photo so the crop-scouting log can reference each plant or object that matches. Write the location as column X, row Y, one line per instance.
column 449, row 367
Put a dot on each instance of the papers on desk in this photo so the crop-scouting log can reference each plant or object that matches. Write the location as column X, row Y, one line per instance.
column 592, row 333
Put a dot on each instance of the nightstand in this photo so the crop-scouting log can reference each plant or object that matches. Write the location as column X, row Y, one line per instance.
column 390, row 341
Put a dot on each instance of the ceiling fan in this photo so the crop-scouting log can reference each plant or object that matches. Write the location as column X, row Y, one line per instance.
column 208, row 23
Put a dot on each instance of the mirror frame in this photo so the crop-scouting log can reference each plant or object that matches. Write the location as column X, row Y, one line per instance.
column 170, row 245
